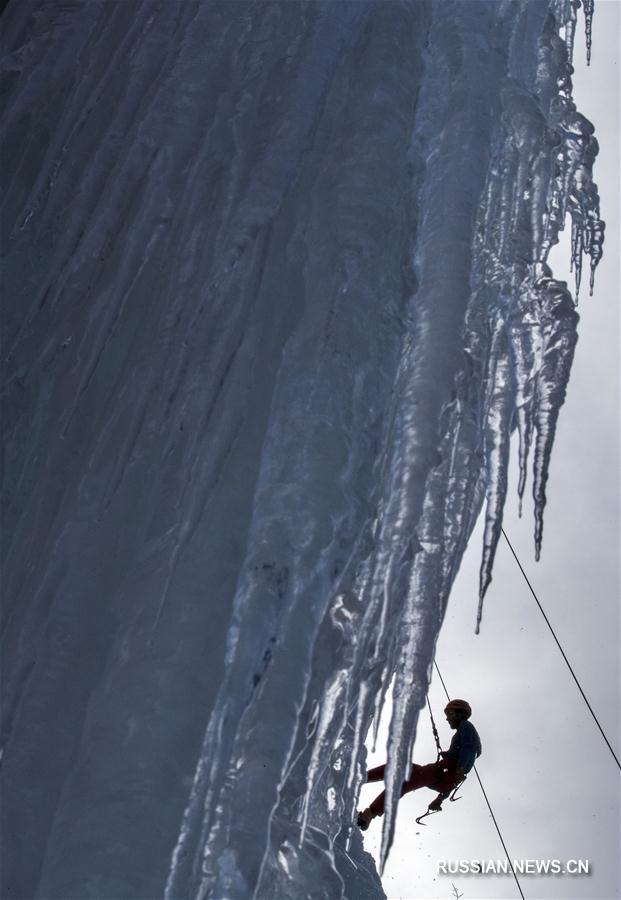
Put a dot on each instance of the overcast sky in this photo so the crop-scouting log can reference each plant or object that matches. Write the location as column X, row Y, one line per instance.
column 552, row 782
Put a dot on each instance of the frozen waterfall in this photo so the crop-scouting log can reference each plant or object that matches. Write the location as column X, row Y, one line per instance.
column 276, row 295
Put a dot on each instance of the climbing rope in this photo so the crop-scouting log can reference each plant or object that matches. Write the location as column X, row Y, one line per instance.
column 547, row 621
column 489, row 806
column 436, row 736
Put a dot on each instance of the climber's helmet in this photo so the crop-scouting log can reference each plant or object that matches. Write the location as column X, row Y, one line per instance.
column 459, row 706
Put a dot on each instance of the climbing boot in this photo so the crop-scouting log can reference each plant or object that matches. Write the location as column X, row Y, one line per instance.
column 364, row 819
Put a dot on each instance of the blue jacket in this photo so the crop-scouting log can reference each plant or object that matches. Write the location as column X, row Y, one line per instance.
column 465, row 746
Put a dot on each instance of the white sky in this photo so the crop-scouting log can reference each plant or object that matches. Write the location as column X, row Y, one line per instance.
column 551, row 780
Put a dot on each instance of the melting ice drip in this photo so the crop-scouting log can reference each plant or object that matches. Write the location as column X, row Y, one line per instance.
column 279, row 295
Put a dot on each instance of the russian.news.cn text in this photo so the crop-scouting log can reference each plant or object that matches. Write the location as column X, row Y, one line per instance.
column 520, row 867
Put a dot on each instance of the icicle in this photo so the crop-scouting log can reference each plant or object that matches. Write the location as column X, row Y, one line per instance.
column 525, row 348
column 589, row 8
column 409, row 692
column 338, row 642
column 570, row 30
column 378, row 703
column 597, row 230
column 360, row 721
column 332, row 719
column 576, row 256
column 559, row 321
column 497, row 445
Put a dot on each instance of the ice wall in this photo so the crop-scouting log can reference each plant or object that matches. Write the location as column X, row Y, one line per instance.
column 276, row 294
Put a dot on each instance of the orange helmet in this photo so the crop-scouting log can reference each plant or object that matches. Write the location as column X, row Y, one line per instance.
column 459, row 706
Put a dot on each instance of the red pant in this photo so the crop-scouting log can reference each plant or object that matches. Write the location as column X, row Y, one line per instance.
column 439, row 776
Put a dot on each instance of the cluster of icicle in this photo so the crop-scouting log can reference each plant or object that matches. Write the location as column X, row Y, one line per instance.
column 279, row 297
column 518, row 347
column 542, row 174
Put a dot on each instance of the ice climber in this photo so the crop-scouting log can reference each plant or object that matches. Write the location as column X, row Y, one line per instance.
column 442, row 776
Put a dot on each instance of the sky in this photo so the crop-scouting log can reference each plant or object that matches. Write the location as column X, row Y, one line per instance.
column 553, row 784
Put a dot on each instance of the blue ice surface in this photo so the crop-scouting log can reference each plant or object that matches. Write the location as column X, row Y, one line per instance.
column 276, row 295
